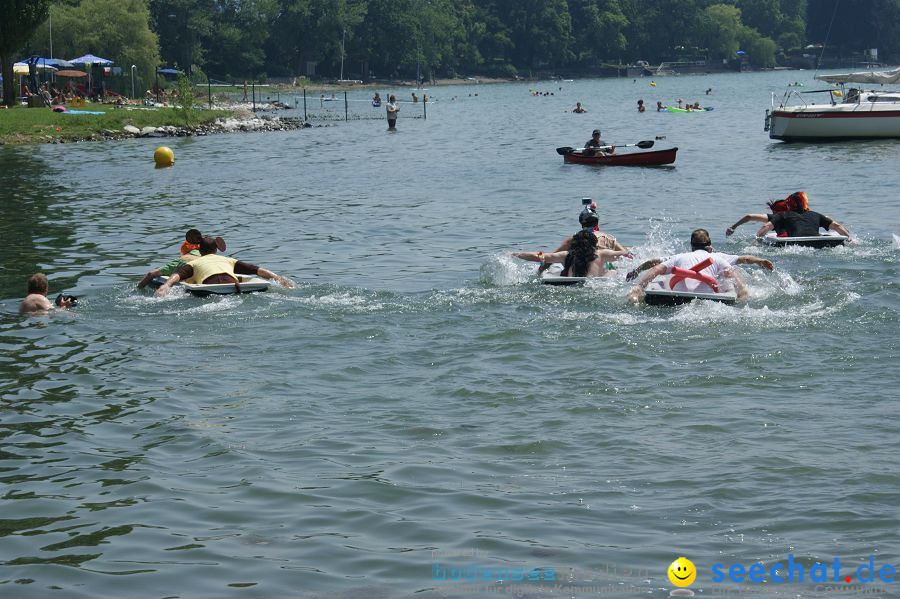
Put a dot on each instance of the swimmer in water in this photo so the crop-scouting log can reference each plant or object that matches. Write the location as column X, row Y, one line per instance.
column 582, row 259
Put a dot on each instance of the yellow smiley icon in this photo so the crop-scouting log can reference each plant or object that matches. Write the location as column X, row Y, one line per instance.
column 682, row 572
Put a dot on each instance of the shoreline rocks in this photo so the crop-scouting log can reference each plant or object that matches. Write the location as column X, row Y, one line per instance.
column 241, row 123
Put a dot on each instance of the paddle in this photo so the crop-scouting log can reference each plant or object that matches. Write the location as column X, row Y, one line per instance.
column 641, row 144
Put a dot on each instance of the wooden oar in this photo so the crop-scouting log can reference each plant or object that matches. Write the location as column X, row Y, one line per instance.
column 641, row 144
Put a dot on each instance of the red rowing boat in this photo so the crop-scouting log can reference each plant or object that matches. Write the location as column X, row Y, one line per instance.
column 654, row 158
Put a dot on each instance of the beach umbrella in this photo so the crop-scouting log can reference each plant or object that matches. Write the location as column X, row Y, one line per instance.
column 90, row 59
column 71, row 73
column 21, row 68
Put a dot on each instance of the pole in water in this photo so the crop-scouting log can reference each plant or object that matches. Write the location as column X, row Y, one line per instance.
column 424, row 107
column 346, row 113
column 304, row 104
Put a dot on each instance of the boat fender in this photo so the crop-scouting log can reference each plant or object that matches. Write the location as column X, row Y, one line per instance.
column 680, row 274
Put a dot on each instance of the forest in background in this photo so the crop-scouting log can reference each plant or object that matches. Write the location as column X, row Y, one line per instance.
column 389, row 39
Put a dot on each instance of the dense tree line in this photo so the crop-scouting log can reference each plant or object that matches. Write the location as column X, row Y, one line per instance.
column 398, row 38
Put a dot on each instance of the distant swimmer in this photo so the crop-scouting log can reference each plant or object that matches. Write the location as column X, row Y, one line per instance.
column 582, row 259
column 579, row 108
column 589, row 220
column 660, row 107
column 210, row 269
column 641, row 106
column 791, row 217
column 36, row 301
column 701, row 270
column 189, row 251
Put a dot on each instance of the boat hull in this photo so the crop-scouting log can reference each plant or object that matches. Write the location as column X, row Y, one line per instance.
column 654, row 158
column 834, row 123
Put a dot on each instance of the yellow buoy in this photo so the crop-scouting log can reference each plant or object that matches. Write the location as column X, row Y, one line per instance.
column 653, row 84
column 164, row 156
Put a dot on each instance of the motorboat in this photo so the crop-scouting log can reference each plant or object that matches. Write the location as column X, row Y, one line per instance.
column 852, row 113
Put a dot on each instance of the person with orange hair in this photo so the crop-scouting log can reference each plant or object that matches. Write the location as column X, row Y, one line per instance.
column 791, row 217
column 190, row 250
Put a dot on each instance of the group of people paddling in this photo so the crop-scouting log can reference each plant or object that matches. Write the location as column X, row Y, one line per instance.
column 590, row 253
column 198, row 263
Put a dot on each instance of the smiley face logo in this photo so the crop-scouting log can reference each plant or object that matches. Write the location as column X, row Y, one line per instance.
column 682, row 572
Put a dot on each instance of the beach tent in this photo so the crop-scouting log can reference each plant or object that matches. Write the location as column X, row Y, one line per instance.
column 59, row 63
column 90, row 59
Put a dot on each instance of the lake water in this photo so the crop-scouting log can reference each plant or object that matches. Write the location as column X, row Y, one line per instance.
column 419, row 392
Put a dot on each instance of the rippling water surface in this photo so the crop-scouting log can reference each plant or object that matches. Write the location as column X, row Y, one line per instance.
column 418, row 391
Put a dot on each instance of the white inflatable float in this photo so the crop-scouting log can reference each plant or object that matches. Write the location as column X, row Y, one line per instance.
column 660, row 293
column 247, row 284
column 829, row 239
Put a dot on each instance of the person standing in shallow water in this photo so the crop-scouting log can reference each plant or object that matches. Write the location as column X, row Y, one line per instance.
column 392, row 111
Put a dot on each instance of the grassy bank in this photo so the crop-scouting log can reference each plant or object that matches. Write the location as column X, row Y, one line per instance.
column 41, row 125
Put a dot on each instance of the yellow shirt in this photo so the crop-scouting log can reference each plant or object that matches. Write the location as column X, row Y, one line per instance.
column 209, row 265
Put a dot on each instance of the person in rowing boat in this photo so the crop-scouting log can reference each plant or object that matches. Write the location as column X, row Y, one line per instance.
column 791, row 217
column 595, row 145
column 582, row 259
column 211, row 269
column 717, row 269
column 589, row 220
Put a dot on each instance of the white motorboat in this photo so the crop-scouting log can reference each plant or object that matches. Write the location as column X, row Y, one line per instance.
column 852, row 114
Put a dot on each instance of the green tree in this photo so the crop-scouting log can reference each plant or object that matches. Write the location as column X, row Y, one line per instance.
column 759, row 49
column 598, row 29
column 238, row 37
column 185, row 29
column 19, row 20
column 115, row 29
column 719, row 28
